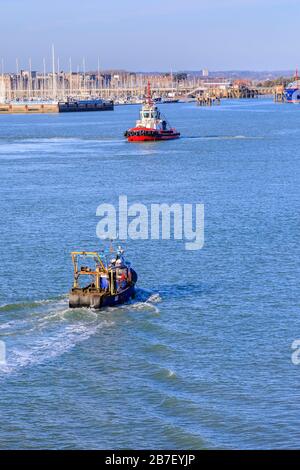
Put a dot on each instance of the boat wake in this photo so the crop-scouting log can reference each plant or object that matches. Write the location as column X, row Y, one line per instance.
column 221, row 137
column 36, row 332
column 69, row 140
column 146, row 300
column 143, row 301
column 36, row 146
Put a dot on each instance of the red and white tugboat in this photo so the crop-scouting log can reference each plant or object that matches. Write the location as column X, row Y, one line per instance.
column 151, row 125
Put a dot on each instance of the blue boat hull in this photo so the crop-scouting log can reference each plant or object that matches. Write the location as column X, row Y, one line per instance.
column 120, row 298
column 93, row 298
column 292, row 95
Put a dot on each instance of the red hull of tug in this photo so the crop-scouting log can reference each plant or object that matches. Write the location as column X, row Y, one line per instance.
column 139, row 134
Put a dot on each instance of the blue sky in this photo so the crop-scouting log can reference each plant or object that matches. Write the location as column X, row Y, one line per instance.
column 153, row 34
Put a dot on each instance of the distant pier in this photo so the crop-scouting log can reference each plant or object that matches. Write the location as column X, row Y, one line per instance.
column 55, row 107
column 28, row 108
column 207, row 100
column 279, row 94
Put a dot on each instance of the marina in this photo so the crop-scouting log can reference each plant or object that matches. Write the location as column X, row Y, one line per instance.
column 32, row 91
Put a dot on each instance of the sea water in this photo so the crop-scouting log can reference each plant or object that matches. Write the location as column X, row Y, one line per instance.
column 202, row 357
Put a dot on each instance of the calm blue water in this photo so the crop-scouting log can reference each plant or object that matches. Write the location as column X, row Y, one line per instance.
column 202, row 357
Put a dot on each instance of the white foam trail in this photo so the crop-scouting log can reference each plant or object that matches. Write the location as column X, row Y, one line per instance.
column 171, row 373
column 148, row 303
column 145, row 305
column 11, row 324
column 44, row 348
column 26, row 146
column 154, row 298
column 51, row 329
column 36, row 315
column 48, row 331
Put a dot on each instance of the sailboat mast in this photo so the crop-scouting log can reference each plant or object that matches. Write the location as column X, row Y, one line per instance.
column 98, row 65
column 149, row 100
column 53, row 74
column 17, row 82
column 29, row 79
column 70, row 79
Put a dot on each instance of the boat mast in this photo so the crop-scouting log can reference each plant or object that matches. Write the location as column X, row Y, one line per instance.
column 17, row 81
column 44, row 78
column 53, row 74
column 149, row 100
column 98, row 71
column 70, row 76
column 58, row 79
column 29, row 80
column 84, row 83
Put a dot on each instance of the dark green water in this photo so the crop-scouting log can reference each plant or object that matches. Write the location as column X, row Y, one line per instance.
column 202, row 357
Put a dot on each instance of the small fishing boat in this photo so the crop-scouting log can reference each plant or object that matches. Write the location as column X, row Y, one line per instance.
column 152, row 125
column 110, row 281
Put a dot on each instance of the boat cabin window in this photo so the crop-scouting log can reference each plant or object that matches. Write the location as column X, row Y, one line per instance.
column 152, row 114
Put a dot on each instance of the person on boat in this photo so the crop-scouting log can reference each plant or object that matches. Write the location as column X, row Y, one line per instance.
column 123, row 278
column 104, row 282
column 120, row 257
column 119, row 263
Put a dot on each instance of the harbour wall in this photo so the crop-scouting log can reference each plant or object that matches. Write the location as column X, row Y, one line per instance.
column 28, row 108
